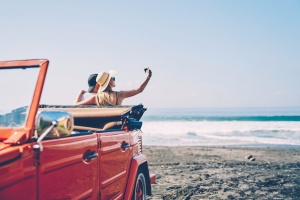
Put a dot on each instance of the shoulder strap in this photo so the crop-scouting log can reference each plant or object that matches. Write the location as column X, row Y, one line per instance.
column 117, row 98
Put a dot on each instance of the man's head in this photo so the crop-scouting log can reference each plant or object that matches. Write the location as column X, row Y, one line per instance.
column 92, row 82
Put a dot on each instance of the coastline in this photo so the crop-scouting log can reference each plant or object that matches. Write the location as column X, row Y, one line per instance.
column 214, row 172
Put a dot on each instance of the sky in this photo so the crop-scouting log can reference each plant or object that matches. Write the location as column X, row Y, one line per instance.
column 202, row 53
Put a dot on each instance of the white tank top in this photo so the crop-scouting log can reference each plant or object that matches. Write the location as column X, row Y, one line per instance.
column 87, row 95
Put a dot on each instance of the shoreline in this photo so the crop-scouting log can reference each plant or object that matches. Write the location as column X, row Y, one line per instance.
column 224, row 172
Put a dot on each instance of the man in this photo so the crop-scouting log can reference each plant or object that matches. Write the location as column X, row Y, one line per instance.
column 92, row 90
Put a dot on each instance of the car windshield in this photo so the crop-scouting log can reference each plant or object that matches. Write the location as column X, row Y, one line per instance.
column 17, row 89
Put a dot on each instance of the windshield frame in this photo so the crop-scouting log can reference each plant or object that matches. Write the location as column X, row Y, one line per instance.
column 26, row 132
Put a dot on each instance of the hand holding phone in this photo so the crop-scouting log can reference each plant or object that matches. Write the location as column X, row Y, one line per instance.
column 148, row 71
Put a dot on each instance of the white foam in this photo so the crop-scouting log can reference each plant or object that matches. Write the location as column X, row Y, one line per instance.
column 220, row 133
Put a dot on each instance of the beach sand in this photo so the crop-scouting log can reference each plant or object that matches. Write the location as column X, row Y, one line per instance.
column 224, row 172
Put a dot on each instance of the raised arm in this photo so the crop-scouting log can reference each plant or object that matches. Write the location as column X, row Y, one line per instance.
column 141, row 88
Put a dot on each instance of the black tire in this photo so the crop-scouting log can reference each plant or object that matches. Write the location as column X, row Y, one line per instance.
column 139, row 191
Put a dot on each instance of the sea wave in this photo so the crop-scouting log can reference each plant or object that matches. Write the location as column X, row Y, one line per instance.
column 188, row 133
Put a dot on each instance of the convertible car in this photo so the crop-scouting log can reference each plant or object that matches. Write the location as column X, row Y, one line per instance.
column 66, row 151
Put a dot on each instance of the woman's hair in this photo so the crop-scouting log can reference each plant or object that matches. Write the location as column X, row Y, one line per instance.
column 105, row 96
column 108, row 89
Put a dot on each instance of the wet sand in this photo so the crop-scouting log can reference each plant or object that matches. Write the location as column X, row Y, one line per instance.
column 224, row 173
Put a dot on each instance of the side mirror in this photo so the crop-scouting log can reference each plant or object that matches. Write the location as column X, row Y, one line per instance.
column 53, row 124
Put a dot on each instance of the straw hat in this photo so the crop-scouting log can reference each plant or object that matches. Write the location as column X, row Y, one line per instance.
column 103, row 79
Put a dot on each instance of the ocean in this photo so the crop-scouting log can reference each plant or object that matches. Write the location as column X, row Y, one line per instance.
column 222, row 126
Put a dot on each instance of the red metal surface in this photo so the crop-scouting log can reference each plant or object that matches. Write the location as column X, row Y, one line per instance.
column 8, row 154
column 63, row 172
column 152, row 178
column 114, row 163
column 135, row 163
column 25, row 63
column 5, row 133
column 18, row 178
column 36, row 98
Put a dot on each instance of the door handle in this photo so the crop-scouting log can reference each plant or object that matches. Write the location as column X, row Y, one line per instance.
column 90, row 156
column 125, row 145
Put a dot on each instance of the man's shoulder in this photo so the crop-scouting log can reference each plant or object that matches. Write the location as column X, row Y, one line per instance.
column 87, row 95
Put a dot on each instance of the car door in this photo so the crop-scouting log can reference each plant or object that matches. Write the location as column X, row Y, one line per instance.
column 65, row 171
column 17, row 172
column 114, row 161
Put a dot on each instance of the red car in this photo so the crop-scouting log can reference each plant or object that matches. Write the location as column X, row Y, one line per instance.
column 66, row 152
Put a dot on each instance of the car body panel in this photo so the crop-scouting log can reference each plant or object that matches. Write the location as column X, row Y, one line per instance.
column 18, row 175
column 114, row 163
column 64, row 170
column 134, row 167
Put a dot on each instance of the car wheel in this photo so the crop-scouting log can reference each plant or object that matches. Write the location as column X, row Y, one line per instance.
column 139, row 192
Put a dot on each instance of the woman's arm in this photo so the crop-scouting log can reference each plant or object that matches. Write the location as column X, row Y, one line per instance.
column 141, row 88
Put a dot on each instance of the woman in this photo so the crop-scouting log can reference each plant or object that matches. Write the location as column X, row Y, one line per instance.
column 106, row 96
